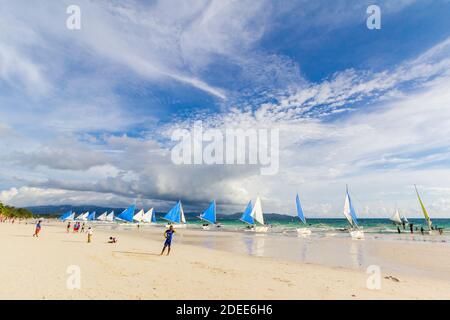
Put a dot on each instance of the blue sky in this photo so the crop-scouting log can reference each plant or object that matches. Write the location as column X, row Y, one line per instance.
column 86, row 115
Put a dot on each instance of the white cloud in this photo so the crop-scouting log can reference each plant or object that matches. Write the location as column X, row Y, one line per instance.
column 391, row 138
column 18, row 70
column 38, row 196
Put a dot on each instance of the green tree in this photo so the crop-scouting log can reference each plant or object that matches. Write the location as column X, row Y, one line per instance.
column 9, row 211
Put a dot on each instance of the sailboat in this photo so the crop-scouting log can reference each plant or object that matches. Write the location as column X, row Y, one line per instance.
column 258, row 216
column 425, row 213
column 149, row 217
column 254, row 217
column 68, row 216
column 404, row 219
column 82, row 216
column 127, row 214
column 139, row 216
column 247, row 215
column 350, row 214
column 396, row 218
column 91, row 216
column 176, row 216
column 209, row 215
column 102, row 217
column 110, row 217
column 301, row 231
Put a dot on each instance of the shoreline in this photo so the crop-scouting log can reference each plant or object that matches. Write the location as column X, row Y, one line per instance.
column 132, row 269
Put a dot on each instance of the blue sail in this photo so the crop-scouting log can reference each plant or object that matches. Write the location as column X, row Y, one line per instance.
column 352, row 210
column 127, row 214
column 299, row 210
column 210, row 213
column 247, row 215
column 66, row 215
column 174, row 215
column 91, row 216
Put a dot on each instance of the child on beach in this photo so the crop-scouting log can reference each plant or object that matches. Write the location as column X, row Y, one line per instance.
column 38, row 229
column 89, row 234
column 112, row 240
column 168, row 234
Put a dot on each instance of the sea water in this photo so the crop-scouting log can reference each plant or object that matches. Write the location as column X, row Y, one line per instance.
column 332, row 225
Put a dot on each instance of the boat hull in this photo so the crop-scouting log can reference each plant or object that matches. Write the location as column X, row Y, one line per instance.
column 205, row 227
column 260, row 229
column 357, row 234
column 303, row 231
column 177, row 226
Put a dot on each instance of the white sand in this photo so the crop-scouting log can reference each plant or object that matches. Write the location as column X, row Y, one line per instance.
column 33, row 268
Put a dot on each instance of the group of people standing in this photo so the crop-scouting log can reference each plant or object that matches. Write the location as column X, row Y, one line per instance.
column 76, row 228
column 422, row 230
column 4, row 219
column 168, row 234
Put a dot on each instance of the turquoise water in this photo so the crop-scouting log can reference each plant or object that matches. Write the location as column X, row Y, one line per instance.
column 369, row 225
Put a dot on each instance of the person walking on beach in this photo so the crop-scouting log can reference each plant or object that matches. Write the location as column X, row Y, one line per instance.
column 168, row 234
column 82, row 227
column 411, row 228
column 421, row 230
column 89, row 234
column 38, row 229
column 68, row 227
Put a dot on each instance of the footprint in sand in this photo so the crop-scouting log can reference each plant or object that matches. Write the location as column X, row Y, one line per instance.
column 212, row 268
column 392, row 278
column 282, row 280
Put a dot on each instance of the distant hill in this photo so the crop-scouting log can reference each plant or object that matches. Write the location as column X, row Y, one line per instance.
column 59, row 210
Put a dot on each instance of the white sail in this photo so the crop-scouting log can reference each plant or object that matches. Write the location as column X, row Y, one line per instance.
column 347, row 210
column 102, row 217
column 110, row 217
column 83, row 216
column 138, row 216
column 183, row 219
column 148, row 216
column 404, row 219
column 257, row 212
column 396, row 217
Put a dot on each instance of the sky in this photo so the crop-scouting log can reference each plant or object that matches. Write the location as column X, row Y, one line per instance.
column 86, row 115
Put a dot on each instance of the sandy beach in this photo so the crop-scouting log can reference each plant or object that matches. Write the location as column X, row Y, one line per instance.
column 40, row 268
